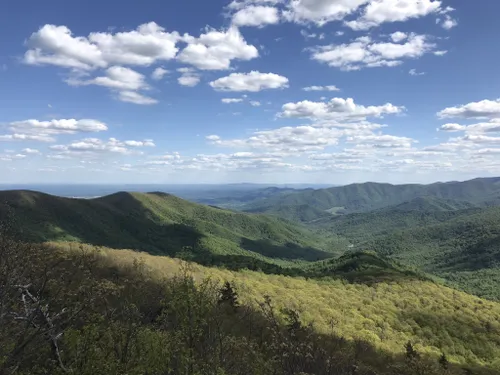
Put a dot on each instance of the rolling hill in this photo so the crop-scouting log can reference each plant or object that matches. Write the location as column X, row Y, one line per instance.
column 371, row 196
column 160, row 223
column 464, row 249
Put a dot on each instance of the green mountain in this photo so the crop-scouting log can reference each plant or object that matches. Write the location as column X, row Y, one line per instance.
column 464, row 249
column 163, row 224
column 359, row 227
column 371, row 196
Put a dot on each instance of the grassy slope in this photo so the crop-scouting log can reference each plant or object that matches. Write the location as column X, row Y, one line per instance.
column 370, row 196
column 161, row 224
column 387, row 314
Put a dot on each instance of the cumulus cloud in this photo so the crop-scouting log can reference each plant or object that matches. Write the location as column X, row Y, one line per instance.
column 336, row 109
column 378, row 12
column 414, row 72
column 231, row 100
column 188, row 78
column 30, row 151
column 382, row 141
column 56, row 45
column 253, row 82
column 119, row 79
column 257, row 16
column 484, row 109
column 321, row 88
column 159, row 73
column 448, row 23
column 482, row 127
column 363, row 52
column 215, row 50
column 26, row 137
column 255, row 103
column 320, row 12
column 61, row 126
column 136, row 98
column 95, row 147
column 285, row 139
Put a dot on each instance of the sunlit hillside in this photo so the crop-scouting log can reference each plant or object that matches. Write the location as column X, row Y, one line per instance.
column 388, row 314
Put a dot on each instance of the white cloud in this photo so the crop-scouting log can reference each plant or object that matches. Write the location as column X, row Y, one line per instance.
column 483, row 109
column 336, row 109
column 378, row 12
column 321, row 88
column 62, row 126
column 440, row 53
column 31, row 151
column 94, row 147
column 255, row 103
column 257, row 16
column 26, row 137
column 252, row 82
column 382, row 141
column 136, row 98
column 117, row 77
column 364, row 53
column 159, row 73
column 286, row 139
column 449, row 23
column 189, row 77
column 482, row 127
column 56, row 45
column 123, row 80
column 399, row 36
column 452, row 128
column 231, row 100
column 215, row 50
column 308, row 35
column 145, row 143
column 320, row 12
column 414, row 72
column 236, row 5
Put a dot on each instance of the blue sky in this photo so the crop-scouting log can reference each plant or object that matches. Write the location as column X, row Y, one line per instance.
column 270, row 91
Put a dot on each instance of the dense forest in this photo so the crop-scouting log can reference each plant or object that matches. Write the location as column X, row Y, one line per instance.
column 95, row 311
column 406, row 284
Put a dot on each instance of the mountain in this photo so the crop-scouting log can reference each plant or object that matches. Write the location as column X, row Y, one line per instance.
column 358, row 227
column 464, row 248
column 160, row 223
column 371, row 196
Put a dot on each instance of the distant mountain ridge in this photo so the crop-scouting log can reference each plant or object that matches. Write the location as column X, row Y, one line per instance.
column 371, row 196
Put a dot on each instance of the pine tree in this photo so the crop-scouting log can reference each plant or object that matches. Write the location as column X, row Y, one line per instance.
column 228, row 295
column 443, row 362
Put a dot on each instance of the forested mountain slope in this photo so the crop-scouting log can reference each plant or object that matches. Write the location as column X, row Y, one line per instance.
column 162, row 224
column 464, row 249
column 370, row 196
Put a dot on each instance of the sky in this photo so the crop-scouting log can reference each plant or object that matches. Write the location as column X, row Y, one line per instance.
column 263, row 91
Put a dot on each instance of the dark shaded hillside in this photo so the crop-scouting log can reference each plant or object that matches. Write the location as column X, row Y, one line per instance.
column 160, row 224
column 370, row 196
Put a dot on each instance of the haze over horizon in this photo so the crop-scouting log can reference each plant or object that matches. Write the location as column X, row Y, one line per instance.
column 267, row 91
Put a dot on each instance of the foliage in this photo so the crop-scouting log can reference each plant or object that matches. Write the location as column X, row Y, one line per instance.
column 385, row 314
column 134, row 321
column 163, row 224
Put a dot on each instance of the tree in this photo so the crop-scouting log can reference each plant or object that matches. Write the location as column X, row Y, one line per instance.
column 443, row 362
column 229, row 296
